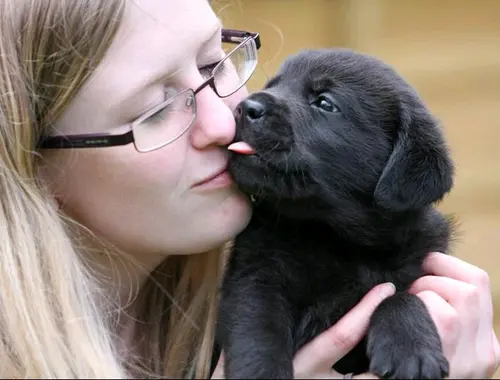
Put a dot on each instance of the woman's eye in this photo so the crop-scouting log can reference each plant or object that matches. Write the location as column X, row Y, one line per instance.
column 206, row 70
column 325, row 103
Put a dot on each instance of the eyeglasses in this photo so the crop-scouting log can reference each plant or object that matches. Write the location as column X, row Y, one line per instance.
column 166, row 122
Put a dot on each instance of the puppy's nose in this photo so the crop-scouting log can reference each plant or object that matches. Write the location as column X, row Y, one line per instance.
column 252, row 110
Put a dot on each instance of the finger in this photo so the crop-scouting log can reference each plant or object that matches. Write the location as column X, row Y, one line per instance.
column 452, row 267
column 329, row 347
column 367, row 375
column 453, row 291
column 464, row 298
column 440, row 264
column 325, row 375
column 496, row 354
column 496, row 349
column 445, row 318
column 474, row 307
column 493, row 360
column 219, row 368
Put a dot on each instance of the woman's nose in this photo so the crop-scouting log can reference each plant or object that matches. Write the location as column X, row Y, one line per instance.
column 214, row 124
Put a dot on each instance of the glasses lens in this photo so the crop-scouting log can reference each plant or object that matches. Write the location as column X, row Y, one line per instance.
column 235, row 70
column 166, row 122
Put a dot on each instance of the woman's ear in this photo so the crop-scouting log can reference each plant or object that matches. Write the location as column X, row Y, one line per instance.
column 48, row 185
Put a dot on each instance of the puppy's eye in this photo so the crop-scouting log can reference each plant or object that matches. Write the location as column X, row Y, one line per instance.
column 325, row 103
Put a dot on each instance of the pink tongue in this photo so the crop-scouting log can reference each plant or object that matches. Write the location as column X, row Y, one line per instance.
column 241, row 147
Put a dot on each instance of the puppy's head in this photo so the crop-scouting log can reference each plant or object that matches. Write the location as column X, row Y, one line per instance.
column 335, row 127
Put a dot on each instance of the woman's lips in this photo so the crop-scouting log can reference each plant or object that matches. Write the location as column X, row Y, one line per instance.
column 221, row 179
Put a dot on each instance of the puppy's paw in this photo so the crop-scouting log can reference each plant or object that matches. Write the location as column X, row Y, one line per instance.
column 403, row 342
column 408, row 361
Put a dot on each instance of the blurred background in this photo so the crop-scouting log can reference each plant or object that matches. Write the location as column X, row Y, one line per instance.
column 448, row 49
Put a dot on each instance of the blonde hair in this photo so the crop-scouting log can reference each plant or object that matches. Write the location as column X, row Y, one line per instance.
column 50, row 323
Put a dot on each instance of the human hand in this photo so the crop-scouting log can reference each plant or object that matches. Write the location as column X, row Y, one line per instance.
column 458, row 297
column 316, row 358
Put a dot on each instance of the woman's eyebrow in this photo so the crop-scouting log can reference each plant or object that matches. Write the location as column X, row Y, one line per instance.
column 128, row 97
column 216, row 31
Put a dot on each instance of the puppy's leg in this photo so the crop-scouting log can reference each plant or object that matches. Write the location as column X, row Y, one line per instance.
column 403, row 342
column 255, row 332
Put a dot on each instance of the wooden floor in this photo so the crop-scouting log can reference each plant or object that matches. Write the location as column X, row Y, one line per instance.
column 449, row 50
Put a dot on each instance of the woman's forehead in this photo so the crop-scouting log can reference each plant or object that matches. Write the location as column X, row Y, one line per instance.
column 155, row 38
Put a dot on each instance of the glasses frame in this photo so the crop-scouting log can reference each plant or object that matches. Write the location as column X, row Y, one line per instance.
column 103, row 140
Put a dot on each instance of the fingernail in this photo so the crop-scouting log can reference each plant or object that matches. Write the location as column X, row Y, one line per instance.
column 387, row 290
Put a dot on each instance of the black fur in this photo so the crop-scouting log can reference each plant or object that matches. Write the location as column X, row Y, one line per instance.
column 348, row 164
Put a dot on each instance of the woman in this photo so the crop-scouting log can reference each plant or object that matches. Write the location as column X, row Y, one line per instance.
column 111, row 255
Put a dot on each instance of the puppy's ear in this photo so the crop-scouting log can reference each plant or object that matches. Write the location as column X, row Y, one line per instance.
column 419, row 171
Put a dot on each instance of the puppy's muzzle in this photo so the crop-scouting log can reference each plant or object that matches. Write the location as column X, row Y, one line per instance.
column 250, row 110
column 262, row 121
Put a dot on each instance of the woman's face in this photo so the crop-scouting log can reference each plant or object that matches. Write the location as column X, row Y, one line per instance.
column 158, row 202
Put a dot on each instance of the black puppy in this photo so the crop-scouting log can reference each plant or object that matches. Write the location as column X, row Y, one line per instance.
column 344, row 162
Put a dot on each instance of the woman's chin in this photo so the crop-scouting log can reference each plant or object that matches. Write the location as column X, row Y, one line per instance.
column 226, row 222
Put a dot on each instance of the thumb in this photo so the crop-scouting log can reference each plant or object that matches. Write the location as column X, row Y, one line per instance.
column 333, row 344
